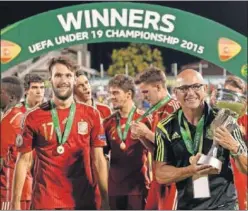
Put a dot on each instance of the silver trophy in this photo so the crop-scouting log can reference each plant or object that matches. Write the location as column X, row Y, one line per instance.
column 231, row 105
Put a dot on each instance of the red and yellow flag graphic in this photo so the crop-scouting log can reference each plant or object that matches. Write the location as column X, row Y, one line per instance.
column 9, row 51
column 227, row 49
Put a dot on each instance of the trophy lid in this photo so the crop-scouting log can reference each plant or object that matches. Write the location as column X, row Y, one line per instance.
column 229, row 94
column 229, row 99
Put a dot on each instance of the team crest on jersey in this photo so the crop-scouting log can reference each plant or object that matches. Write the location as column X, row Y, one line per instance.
column 19, row 140
column 82, row 128
column 209, row 133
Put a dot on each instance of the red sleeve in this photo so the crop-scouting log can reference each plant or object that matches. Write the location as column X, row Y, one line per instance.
column 104, row 111
column 148, row 121
column 108, row 133
column 7, row 138
column 243, row 123
column 10, row 128
column 107, row 112
column 24, row 141
column 98, row 138
column 155, row 120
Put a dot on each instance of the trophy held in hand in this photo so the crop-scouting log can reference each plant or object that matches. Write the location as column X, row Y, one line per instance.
column 232, row 105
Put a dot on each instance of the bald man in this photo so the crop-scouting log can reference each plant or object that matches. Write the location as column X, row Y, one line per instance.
column 183, row 136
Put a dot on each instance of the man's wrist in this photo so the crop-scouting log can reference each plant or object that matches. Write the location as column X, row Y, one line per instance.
column 234, row 149
column 236, row 152
column 188, row 170
column 149, row 135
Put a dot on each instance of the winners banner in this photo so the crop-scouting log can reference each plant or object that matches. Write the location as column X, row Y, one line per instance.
column 124, row 22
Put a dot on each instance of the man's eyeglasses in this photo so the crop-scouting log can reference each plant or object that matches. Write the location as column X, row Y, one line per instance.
column 194, row 87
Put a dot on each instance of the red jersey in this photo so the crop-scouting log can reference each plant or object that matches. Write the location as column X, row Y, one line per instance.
column 104, row 110
column 61, row 180
column 128, row 169
column 163, row 112
column 243, row 123
column 10, row 128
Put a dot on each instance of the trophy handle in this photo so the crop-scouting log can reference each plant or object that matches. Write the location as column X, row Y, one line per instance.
column 213, row 150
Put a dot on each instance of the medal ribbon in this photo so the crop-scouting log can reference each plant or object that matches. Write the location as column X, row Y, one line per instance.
column 61, row 140
column 155, row 107
column 193, row 146
column 123, row 135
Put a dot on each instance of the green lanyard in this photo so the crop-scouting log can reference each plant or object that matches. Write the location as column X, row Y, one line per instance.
column 155, row 107
column 123, row 135
column 192, row 146
column 61, row 140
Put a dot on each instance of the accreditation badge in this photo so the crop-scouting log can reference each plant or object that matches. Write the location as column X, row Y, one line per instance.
column 82, row 128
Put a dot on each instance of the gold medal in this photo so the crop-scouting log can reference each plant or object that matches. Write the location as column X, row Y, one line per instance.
column 60, row 149
column 123, row 146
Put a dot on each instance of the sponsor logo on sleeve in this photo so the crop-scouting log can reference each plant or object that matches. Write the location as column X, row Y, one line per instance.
column 102, row 137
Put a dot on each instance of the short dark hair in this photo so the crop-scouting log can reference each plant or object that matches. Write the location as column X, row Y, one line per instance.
column 71, row 65
column 124, row 82
column 235, row 82
column 13, row 86
column 32, row 78
column 151, row 75
column 79, row 73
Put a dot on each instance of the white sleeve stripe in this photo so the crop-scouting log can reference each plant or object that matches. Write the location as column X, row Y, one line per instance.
column 19, row 113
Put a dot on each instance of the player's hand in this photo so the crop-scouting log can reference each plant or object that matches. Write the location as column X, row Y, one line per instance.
column 16, row 205
column 138, row 130
column 224, row 138
column 202, row 169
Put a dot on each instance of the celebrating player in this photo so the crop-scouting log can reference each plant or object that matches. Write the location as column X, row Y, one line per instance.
column 11, row 93
column 68, row 140
column 82, row 91
column 152, row 85
column 128, row 159
column 34, row 87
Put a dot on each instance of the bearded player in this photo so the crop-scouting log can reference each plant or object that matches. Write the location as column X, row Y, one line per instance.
column 68, row 140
